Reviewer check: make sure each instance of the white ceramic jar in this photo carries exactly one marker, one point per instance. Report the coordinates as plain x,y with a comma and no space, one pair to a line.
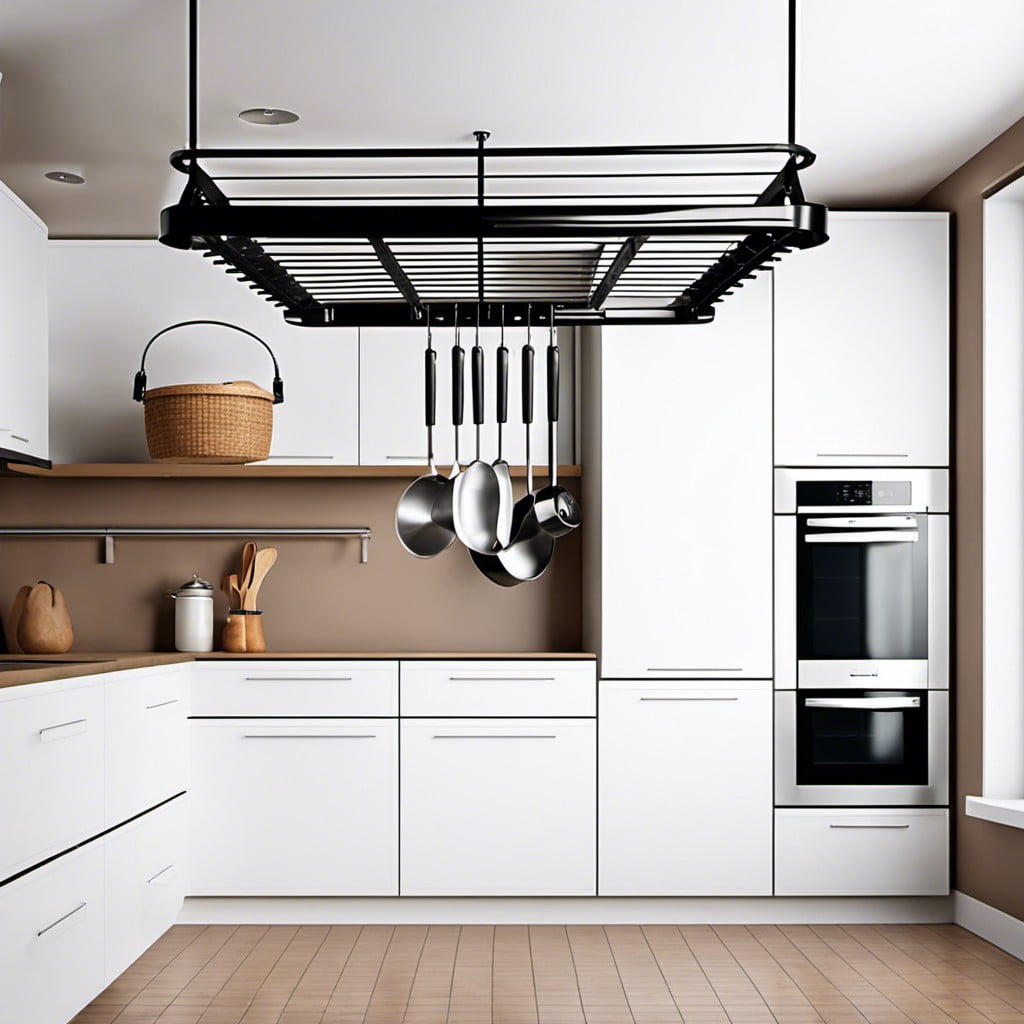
193,616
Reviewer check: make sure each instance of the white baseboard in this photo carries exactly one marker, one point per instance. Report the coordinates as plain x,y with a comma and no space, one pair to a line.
552,910
1000,929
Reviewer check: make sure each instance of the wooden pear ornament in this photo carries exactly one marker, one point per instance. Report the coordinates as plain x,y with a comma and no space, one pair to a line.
45,627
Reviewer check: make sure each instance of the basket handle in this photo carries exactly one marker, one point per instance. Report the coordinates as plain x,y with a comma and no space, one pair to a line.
139,391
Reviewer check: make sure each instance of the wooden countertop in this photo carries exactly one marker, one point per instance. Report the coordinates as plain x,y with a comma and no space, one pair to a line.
88,663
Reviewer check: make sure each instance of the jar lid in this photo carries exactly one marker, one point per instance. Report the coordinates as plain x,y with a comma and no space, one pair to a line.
195,584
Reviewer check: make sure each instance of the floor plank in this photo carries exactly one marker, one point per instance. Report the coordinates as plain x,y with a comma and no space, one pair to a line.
576,974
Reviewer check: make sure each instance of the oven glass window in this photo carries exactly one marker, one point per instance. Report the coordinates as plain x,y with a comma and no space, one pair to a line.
861,599
862,738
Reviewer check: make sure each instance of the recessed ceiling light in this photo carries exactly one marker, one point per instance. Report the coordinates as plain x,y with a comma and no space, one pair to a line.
268,115
65,177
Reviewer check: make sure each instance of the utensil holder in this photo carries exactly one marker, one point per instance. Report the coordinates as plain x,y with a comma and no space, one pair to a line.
243,632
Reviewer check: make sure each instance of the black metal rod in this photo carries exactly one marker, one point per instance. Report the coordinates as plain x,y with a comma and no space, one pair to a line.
397,274
791,98
492,177
193,74
495,198
627,252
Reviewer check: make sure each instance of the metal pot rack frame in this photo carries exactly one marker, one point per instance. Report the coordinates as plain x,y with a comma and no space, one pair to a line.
598,234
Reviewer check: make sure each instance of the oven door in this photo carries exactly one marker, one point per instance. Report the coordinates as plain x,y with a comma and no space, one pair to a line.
861,748
862,600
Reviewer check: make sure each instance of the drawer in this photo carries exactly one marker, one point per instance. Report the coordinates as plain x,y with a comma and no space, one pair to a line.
147,740
51,773
278,689
856,852
51,942
499,688
145,883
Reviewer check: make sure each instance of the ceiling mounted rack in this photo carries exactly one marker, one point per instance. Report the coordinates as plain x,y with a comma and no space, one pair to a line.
598,234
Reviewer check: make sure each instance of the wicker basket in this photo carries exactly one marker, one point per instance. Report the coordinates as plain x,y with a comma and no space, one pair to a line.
228,423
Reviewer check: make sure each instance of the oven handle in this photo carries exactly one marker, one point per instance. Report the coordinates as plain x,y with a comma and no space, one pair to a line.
863,703
872,537
865,522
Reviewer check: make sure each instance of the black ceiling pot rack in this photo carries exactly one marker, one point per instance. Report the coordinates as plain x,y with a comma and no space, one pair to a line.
598,234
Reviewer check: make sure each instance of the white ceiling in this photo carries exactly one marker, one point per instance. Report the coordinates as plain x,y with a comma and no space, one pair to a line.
893,94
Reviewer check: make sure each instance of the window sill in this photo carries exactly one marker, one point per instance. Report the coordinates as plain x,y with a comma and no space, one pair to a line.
1003,812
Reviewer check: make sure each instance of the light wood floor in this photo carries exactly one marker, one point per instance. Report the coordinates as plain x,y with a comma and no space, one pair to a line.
618,974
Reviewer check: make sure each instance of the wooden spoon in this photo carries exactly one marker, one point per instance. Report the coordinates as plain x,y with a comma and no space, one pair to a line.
248,560
229,586
265,560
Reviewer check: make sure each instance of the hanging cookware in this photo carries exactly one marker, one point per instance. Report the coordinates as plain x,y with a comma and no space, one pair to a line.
530,551
502,473
556,509
442,511
417,531
476,495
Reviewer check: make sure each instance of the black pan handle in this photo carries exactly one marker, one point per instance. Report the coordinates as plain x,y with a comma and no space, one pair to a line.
553,383
502,398
527,383
477,370
458,369
430,386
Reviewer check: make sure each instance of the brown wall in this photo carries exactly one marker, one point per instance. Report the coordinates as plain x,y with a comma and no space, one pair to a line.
317,598
989,858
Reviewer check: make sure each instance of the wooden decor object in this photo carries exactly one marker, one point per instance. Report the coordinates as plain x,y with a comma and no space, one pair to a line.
44,626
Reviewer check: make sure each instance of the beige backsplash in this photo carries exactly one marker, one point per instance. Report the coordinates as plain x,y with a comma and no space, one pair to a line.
317,598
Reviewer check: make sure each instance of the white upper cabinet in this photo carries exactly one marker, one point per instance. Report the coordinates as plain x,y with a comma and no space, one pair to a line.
680,496
862,344
107,299
23,348
392,428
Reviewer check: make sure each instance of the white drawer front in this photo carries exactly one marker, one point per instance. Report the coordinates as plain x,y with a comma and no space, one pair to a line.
495,808
147,740
51,774
296,689
857,852
51,940
294,807
499,688
145,883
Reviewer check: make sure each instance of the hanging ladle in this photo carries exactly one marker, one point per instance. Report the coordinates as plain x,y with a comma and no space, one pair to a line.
442,510
419,534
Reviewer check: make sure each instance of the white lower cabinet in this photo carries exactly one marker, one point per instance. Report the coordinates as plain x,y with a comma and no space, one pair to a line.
286,807
498,807
145,882
51,939
855,851
685,784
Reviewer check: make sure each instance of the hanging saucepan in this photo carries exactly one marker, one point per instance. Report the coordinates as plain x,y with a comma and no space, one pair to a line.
476,498
442,510
556,509
414,522
531,549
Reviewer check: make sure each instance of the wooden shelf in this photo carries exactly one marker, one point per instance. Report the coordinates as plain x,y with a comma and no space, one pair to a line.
171,471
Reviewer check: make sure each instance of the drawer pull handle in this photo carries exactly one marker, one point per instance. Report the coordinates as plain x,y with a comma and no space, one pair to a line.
160,873
705,699
63,725
418,458
80,906
298,679
699,668
879,825
862,455
162,704
501,679
310,736
322,458
496,736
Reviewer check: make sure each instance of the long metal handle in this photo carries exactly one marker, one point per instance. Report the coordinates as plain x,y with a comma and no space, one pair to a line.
70,913
501,679
863,703
63,725
862,455
298,679
495,736
310,736
162,704
697,668
872,537
865,522
715,699
162,871
879,825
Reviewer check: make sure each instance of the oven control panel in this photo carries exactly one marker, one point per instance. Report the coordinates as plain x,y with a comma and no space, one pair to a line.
837,493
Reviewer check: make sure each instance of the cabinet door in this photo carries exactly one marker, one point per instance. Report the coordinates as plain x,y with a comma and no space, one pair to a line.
51,939
145,883
685,784
146,740
686,496
391,427
294,807
96,353
24,413
498,808
862,344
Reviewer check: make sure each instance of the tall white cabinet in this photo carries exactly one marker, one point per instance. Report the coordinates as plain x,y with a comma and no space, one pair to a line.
679,496
24,427
862,344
